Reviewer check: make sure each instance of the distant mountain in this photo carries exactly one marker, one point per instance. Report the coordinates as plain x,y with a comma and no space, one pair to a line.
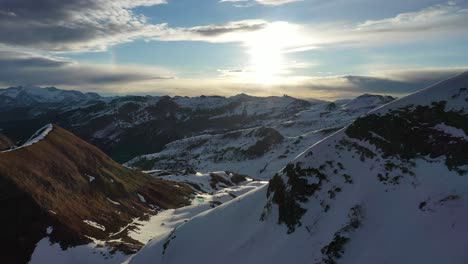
389,188
30,95
369,101
129,126
125,127
259,151
59,187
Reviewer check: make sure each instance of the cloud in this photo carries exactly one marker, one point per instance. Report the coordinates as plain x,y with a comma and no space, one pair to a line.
400,83
20,68
70,25
94,25
231,27
397,82
276,2
235,31
436,21
442,16
83,25
262,2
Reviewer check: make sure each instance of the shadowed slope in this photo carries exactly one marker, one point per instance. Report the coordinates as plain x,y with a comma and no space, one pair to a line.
64,182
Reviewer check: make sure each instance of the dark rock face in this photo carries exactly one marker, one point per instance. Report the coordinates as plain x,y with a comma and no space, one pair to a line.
411,132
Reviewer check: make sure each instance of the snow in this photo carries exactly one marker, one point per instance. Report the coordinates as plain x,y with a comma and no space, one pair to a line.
91,178
142,199
36,137
142,231
94,224
220,193
367,101
45,95
452,131
47,252
112,201
422,219
300,131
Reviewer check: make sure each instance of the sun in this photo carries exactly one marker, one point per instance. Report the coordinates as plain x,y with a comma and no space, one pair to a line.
266,50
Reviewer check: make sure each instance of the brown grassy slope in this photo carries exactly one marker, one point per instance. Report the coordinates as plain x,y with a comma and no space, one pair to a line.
5,143
51,176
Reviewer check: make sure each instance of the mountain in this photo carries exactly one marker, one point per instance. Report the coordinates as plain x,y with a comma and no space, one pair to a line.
259,151
389,188
59,188
128,126
369,101
30,95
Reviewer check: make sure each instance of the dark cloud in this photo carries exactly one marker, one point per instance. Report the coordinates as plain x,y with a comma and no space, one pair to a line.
382,85
220,29
83,25
62,25
397,82
23,68
18,60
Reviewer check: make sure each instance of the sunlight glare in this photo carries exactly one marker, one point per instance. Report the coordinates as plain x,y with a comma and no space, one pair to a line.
266,50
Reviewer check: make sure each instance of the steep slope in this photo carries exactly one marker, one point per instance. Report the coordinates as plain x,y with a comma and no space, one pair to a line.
59,186
389,188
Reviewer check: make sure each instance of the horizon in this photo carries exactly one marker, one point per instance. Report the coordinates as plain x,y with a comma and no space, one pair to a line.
303,48
109,95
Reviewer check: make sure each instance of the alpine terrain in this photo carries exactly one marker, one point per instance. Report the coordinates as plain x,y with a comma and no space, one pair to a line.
389,188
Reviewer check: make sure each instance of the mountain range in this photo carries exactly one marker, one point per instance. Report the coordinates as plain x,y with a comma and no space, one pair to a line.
238,179
388,188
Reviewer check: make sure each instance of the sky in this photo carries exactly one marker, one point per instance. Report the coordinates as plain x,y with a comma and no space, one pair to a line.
305,48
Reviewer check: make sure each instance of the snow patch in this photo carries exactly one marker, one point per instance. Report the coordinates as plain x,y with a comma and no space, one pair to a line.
36,137
142,199
114,202
91,178
94,224
453,131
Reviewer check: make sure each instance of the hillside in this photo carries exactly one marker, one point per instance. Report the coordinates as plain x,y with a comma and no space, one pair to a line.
389,188
59,187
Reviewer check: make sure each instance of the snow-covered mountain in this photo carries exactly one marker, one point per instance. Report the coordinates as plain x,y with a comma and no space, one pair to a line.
127,126
29,95
259,151
389,188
